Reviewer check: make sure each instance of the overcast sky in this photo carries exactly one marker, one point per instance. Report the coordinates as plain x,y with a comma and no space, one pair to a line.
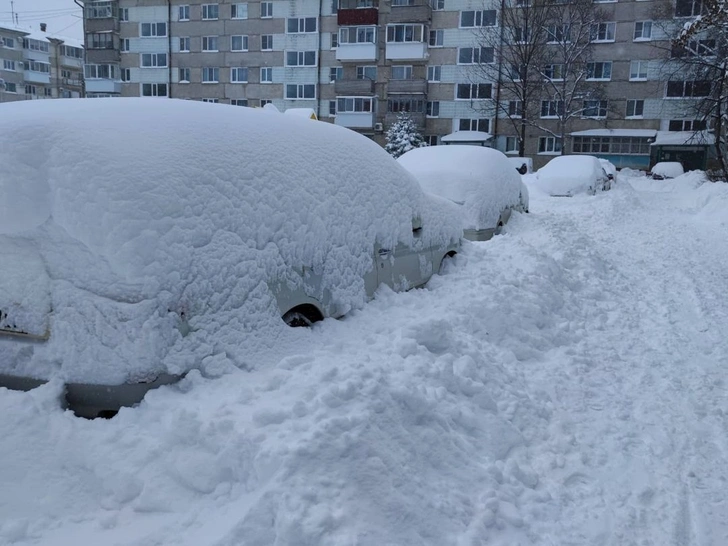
62,16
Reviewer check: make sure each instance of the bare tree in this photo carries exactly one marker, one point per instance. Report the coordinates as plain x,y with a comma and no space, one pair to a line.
542,63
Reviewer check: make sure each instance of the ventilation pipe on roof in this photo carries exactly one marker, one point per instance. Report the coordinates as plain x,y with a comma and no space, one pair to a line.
43,27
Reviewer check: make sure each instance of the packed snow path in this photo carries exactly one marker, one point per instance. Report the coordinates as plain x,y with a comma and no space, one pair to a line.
562,384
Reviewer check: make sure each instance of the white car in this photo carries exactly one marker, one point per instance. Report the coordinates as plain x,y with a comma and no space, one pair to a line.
569,175
667,169
609,168
480,180
144,238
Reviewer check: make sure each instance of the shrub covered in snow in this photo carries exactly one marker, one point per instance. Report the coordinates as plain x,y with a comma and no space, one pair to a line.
403,136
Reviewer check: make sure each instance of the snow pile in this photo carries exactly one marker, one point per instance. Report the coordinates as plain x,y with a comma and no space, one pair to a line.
480,179
668,169
569,175
161,238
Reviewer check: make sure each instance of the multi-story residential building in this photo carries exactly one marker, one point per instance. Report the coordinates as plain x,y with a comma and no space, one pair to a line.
357,63
34,65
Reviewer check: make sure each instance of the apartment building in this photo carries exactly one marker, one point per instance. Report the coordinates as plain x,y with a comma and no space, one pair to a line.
34,65
358,63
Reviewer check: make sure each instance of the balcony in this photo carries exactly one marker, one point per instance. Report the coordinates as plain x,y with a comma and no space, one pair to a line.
71,82
355,120
412,11
358,12
354,87
37,77
407,87
356,52
103,86
417,117
406,51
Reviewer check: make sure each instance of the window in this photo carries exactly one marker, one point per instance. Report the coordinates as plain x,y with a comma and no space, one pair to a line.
73,52
152,30
366,73
694,48
516,72
36,45
183,13
100,40
436,38
301,25
334,40
266,42
209,43
263,102
124,44
99,10
210,74
554,71
482,18
552,108
335,73
688,89
102,71
434,73
432,140
8,65
437,5
266,74
266,9
239,74
511,145
239,102
184,44
470,91
549,145
405,105
300,58
35,66
558,34
594,109
599,71
239,11
238,43
475,55
687,125
154,60
154,90
184,75
611,145
332,107
642,31
402,72
123,14
211,101
433,109
301,91
689,8
403,3
348,105
210,11
602,32
10,87
515,108
358,35
9,43
638,70
404,33
482,125
635,108
126,74
31,89
521,35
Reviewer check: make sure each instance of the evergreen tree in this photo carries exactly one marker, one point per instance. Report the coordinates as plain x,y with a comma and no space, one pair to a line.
403,136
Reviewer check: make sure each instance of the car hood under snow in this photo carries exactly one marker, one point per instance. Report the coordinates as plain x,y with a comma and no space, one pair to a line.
151,227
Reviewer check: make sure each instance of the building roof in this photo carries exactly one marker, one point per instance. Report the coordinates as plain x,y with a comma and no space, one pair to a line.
683,138
644,133
302,112
467,136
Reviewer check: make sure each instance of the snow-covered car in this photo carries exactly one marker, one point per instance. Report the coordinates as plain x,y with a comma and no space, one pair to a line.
609,168
667,169
481,180
569,175
141,239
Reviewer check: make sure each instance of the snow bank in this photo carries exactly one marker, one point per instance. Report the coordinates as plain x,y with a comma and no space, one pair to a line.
160,234
569,175
482,180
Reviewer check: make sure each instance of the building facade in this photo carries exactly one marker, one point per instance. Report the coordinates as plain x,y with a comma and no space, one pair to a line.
358,63
34,65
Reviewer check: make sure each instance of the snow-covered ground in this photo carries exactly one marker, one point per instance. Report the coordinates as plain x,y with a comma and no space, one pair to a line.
561,384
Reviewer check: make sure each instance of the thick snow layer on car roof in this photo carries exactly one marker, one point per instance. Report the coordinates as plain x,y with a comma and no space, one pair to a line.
482,180
668,169
153,214
569,174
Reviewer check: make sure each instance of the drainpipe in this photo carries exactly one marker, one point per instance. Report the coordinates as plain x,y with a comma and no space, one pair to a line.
83,70
169,49
318,79
500,71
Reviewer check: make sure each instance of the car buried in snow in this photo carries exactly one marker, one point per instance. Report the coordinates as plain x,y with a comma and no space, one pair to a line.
180,238
570,175
481,181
